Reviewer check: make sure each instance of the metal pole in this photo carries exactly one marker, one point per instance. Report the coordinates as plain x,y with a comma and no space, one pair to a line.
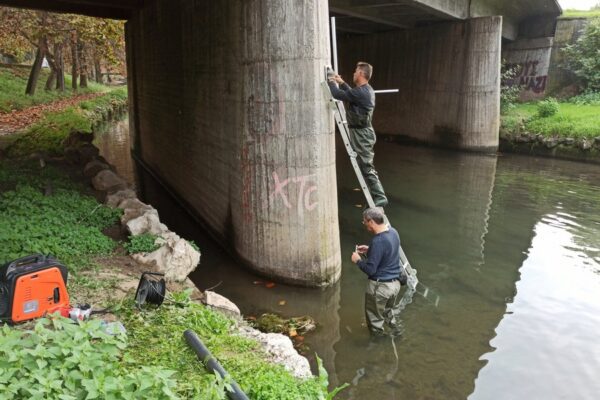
386,91
334,45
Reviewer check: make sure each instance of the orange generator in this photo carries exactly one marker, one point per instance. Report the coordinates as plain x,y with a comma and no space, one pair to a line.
31,287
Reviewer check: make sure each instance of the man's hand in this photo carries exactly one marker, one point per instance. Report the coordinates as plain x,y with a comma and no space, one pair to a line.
355,257
338,79
362,249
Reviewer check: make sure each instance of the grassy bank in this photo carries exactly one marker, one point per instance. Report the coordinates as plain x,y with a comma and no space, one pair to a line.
13,81
571,121
581,13
45,210
49,133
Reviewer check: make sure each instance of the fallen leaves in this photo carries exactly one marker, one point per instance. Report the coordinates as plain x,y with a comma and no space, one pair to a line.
16,120
268,285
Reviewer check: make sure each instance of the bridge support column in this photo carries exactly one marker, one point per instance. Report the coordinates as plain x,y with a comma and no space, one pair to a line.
286,209
229,112
449,80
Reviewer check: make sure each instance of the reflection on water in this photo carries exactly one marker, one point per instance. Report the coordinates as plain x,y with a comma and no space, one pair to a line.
113,141
510,248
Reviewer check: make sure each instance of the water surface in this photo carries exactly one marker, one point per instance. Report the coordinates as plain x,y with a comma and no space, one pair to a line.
509,250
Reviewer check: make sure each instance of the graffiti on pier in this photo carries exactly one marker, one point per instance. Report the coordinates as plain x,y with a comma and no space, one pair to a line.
527,76
299,190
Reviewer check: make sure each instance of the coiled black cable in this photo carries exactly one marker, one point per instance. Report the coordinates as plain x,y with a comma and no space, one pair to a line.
151,289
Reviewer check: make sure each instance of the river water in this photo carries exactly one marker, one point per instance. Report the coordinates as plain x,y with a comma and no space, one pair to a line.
508,250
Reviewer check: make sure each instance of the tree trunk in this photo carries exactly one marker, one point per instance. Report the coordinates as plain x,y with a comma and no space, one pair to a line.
83,68
50,81
74,60
60,67
35,72
98,71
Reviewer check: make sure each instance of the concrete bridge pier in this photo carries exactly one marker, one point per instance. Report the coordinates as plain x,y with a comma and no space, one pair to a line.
228,109
449,80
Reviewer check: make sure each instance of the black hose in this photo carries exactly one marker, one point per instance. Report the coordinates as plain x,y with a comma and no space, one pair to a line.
211,363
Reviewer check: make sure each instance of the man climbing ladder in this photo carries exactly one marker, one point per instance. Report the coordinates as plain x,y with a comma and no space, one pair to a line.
361,101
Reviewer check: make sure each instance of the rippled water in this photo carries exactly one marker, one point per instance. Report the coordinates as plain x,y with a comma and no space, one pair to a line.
509,250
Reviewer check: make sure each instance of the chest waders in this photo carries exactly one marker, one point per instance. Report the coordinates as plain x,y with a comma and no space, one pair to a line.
362,138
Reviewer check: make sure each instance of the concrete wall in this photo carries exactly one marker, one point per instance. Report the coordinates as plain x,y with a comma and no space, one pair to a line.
531,60
448,76
561,81
228,110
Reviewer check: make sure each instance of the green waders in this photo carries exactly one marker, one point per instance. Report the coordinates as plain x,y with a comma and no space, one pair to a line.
381,306
362,139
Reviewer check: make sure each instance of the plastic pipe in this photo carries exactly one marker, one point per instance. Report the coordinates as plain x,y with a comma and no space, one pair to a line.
211,363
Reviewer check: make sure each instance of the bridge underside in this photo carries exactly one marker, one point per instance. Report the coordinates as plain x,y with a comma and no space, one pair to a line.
227,108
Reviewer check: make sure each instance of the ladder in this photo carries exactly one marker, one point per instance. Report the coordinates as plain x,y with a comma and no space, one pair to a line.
339,113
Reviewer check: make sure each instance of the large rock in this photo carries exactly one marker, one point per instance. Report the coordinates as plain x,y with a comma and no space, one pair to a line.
585,144
93,167
221,303
114,199
147,222
108,181
551,142
280,350
87,152
176,258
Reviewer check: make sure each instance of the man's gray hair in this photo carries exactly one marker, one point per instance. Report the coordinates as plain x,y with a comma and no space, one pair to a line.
375,214
366,69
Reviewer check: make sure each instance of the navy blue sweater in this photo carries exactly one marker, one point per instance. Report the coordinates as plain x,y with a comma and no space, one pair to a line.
383,256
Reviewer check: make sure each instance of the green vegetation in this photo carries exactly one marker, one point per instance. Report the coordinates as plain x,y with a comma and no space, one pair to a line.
593,13
13,81
573,120
42,210
59,359
144,243
158,341
63,223
547,108
509,93
592,98
49,133
583,57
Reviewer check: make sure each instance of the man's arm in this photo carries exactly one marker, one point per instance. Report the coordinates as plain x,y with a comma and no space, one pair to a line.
370,265
347,94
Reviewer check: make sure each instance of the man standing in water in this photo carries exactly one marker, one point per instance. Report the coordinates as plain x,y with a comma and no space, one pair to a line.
361,101
382,266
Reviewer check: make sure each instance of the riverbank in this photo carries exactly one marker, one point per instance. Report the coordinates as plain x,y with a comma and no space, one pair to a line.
572,132
51,202
53,209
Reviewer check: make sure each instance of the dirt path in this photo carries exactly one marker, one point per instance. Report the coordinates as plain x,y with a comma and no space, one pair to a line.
14,121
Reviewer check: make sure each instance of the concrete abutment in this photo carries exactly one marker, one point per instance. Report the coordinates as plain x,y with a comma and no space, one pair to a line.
448,75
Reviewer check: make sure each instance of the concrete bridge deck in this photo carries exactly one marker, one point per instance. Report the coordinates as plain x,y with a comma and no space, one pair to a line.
226,104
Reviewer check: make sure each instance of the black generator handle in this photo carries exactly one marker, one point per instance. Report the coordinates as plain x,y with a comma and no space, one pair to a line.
27,260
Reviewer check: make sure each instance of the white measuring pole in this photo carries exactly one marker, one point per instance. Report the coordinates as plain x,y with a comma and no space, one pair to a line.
334,45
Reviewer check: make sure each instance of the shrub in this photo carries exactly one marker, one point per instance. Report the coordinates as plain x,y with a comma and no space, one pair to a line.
588,97
547,108
509,91
583,57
